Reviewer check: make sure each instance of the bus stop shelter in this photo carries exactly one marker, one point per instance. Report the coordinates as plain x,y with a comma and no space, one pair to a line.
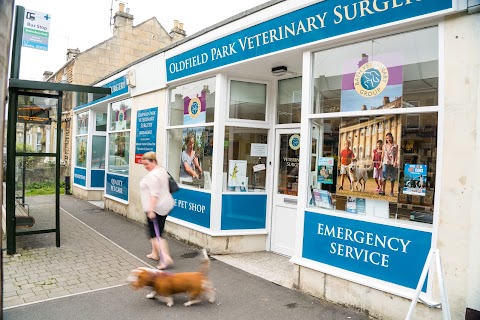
33,151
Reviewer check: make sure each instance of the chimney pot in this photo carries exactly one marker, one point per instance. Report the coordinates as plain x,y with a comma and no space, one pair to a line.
180,25
121,6
175,23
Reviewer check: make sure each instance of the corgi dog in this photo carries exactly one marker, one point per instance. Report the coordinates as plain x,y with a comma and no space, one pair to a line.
165,284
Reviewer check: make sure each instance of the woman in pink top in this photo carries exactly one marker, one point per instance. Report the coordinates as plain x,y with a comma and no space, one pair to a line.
157,202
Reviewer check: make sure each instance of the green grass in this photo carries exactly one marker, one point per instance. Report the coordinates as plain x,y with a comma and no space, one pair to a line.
42,189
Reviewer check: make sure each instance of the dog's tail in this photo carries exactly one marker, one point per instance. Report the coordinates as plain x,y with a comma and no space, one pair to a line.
205,264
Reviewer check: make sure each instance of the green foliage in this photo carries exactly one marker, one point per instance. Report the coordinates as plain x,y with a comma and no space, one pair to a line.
43,188
30,160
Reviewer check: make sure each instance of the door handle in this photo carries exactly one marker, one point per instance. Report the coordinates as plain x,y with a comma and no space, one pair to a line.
290,201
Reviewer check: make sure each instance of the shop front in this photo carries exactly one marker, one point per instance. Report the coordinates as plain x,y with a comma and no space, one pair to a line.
319,134
102,144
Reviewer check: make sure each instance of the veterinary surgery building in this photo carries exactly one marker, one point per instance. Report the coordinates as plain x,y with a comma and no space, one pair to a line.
273,98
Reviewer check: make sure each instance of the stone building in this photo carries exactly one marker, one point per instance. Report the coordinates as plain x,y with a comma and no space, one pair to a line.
128,43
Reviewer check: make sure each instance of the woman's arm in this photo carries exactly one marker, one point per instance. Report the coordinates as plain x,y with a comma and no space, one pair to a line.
197,165
190,170
152,204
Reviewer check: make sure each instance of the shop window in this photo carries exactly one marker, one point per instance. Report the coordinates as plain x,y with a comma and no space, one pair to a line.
350,183
81,157
245,159
120,115
119,152
193,103
289,101
100,121
399,71
190,156
82,123
98,152
248,100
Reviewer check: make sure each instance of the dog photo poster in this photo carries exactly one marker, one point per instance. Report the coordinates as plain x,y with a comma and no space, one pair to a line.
415,179
325,170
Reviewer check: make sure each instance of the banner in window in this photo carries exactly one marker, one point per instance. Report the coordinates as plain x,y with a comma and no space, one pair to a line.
375,84
194,108
146,137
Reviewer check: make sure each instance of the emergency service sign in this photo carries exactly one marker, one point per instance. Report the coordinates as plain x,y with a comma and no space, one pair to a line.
36,28
392,254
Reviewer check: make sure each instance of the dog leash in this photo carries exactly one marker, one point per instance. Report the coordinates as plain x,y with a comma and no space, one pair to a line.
157,234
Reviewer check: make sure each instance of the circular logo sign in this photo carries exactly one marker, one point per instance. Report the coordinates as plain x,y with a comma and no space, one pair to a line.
194,107
294,142
371,78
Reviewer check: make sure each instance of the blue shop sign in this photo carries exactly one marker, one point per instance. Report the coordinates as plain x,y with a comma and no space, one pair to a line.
192,206
80,176
117,186
117,86
146,132
319,21
97,178
392,254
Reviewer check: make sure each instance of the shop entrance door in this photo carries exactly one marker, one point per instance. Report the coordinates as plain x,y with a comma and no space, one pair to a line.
284,214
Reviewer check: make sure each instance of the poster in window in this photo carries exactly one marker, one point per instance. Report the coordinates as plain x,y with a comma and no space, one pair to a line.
193,147
415,182
325,170
194,108
237,173
373,84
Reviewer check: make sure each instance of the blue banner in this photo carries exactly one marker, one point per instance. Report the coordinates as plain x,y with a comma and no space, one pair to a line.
192,206
117,86
80,176
146,137
392,254
97,178
236,215
117,186
320,21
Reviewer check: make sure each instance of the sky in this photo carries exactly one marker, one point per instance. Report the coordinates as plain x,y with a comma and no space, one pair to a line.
84,23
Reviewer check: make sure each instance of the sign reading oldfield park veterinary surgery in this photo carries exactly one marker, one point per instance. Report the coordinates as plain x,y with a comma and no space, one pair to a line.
388,253
146,138
323,20
36,26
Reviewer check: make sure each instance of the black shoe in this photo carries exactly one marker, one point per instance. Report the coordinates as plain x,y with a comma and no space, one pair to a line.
381,193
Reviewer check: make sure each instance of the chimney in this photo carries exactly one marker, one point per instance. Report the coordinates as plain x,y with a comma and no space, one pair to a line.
46,75
177,32
386,100
121,18
72,53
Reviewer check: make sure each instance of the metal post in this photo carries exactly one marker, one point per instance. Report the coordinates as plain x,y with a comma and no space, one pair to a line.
57,167
11,129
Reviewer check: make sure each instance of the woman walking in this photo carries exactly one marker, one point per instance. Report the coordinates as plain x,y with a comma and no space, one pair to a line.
157,202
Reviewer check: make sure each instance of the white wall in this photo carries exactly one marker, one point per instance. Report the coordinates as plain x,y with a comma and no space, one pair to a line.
459,225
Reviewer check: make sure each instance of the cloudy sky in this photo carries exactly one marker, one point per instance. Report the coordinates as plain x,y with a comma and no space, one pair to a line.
84,23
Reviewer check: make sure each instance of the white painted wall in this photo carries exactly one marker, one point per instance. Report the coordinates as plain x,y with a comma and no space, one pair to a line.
459,225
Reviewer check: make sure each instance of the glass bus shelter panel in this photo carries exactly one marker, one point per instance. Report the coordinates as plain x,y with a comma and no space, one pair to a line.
35,193
36,124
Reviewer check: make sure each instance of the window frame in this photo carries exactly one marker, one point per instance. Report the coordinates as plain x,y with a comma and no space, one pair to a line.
309,116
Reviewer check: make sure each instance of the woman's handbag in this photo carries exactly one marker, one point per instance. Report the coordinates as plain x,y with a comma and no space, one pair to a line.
172,184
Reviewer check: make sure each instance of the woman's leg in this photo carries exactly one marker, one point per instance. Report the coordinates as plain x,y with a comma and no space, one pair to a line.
164,252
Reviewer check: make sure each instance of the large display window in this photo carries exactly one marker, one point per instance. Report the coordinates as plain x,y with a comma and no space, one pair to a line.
193,103
245,159
379,161
399,71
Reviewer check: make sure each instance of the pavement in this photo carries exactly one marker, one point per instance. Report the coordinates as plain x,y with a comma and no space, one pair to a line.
85,277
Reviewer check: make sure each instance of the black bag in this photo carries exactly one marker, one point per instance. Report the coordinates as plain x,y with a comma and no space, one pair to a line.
172,184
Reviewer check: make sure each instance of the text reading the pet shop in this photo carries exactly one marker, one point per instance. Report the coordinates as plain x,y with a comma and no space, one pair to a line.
190,206
363,238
